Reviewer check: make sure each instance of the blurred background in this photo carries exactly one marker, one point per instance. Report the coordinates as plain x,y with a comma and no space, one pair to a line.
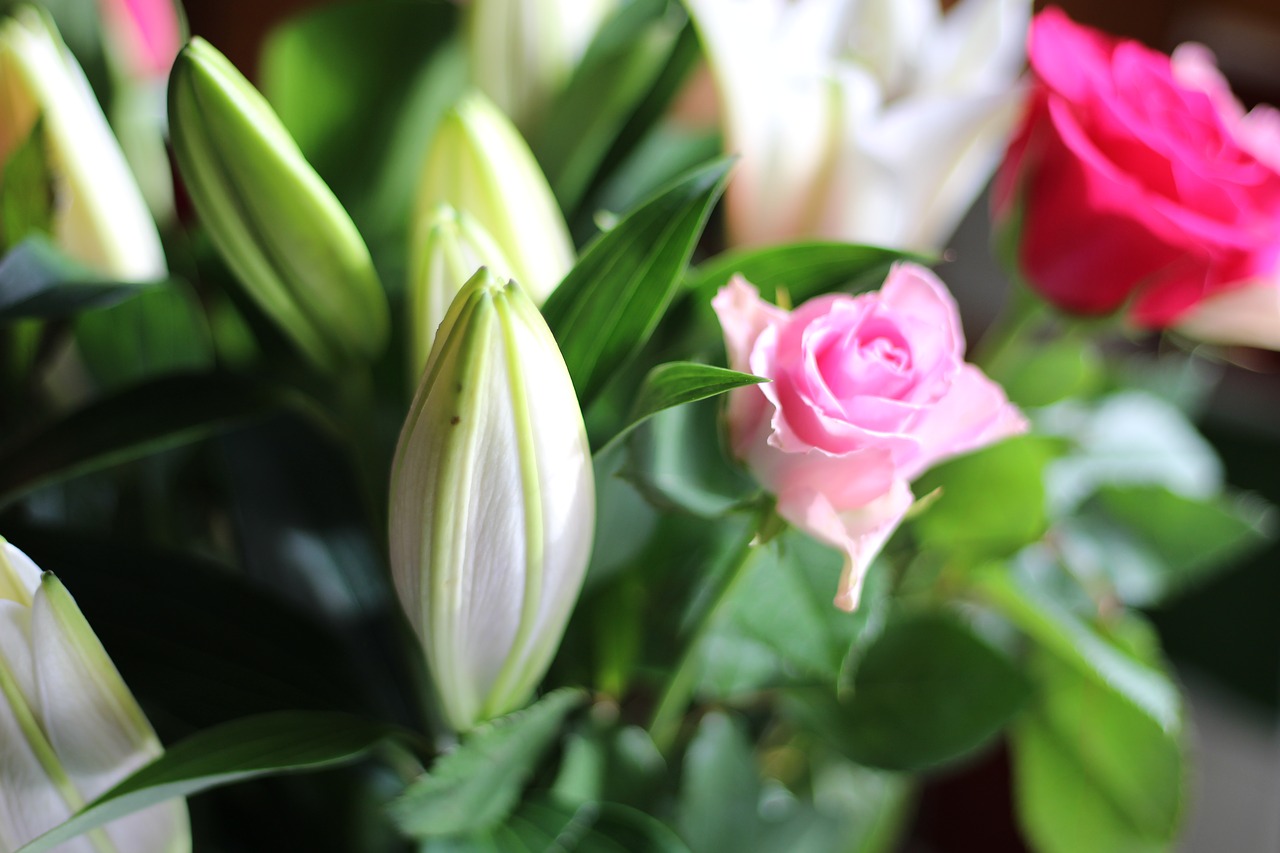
1224,638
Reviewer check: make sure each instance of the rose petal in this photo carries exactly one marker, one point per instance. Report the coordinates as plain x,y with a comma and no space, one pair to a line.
861,533
974,413
911,290
744,317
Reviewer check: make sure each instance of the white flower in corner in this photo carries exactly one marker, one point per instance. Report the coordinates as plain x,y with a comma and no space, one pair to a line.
99,218
69,728
870,121
492,503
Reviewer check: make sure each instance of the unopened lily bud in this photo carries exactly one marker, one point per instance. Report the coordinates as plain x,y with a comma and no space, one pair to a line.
523,52
450,248
98,215
275,222
479,164
492,503
69,728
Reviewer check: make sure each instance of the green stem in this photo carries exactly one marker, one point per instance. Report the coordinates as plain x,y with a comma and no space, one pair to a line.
667,716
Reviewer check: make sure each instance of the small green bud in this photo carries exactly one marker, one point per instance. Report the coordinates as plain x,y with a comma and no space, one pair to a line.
275,222
479,164
450,249
492,503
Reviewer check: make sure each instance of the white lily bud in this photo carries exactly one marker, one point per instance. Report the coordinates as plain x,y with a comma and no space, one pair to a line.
450,248
492,503
99,216
478,163
69,728
524,51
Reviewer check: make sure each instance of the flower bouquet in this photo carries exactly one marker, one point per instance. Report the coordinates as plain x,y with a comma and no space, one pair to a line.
547,425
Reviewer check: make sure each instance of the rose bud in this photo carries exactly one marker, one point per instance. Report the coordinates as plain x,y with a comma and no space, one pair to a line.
867,392
479,164
523,51
492,503
275,222
1138,183
98,215
451,247
69,726
865,121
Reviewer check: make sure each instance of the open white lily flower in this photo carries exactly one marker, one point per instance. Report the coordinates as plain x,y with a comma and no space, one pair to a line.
869,121
99,215
492,503
69,728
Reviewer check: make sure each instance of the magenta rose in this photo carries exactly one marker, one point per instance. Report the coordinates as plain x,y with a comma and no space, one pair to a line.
1133,184
867,392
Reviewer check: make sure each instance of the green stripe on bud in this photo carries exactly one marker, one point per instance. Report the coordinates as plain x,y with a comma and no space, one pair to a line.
275,222
492,503
479,164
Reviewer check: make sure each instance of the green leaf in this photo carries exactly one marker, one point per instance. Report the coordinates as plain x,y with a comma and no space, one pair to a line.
476,786
678,382
611,763
134,423
546,825
802,270
779,624
610,303
26,190
991,502
1127,439
621,66
729,802
37,280
1091,771
1191,537
718,810
1149,543
1057,630
1053,371
675,460
161,330
927,691
665,153
288,742
340,77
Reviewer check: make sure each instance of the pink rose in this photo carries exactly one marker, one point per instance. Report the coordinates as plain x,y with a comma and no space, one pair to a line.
1136,183
866,393
147,31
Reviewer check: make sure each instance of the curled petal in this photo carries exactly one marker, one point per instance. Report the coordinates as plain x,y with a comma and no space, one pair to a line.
861,532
